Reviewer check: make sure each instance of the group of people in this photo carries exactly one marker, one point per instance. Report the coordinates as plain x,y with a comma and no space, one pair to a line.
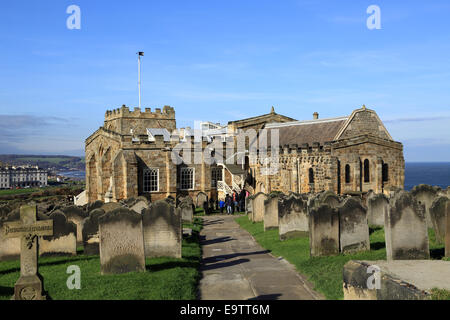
234,202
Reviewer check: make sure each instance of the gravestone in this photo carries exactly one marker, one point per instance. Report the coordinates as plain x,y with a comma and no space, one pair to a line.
121,242
28,229
76,215
139,206
271,212
90,232
187,211
201,199
406,229
110,206
249,206
293,217
377,205
162,230
330,198
64,238
426,194
353,226
258,207
324,231
94,205
438,214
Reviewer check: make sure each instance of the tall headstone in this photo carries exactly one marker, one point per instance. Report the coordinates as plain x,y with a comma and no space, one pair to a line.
28,229
406,229
187,211
76,215
121,242
293,217
353,226
426,194
377,205
324,231
163,231
271,211
91,236
438,214
64,238
258,207
249,206
201,199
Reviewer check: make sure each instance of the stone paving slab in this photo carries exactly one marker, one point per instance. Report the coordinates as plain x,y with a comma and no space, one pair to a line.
236,267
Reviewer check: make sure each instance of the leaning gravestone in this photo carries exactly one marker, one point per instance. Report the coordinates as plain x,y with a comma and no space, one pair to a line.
271,211
201,199
162,230
406,229
377,205
187,211
258,207
438,214
353,227
28,229
76,215
139,206
293,217
426,194
323,231
121,242
91,236
64,238
110,206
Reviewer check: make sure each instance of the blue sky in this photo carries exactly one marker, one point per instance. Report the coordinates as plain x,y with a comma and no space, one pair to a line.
223,60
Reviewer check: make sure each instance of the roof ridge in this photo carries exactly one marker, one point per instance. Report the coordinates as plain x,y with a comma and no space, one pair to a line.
305,122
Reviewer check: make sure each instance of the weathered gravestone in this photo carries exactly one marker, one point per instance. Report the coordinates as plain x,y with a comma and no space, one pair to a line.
406,229
139,206
258,207
426,194
201,199
91,236
438,214
323,231
121,242
353,226
271,211
94,205
110,206
64,238
28,229
249,206
293,217
187,211
162,230
76,215
330,198
377,205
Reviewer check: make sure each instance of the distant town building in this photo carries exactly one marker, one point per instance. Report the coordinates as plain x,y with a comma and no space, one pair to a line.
12,177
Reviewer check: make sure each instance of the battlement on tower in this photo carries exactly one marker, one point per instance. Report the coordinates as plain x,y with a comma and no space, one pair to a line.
124,112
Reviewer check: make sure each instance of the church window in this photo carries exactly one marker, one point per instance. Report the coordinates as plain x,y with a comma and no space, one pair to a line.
366,170
151,179
385,172
216,175
311,175
347,173
187,178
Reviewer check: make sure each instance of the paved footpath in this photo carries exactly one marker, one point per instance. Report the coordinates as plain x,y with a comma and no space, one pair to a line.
236,267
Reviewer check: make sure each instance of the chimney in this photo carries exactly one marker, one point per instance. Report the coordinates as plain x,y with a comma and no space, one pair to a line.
315,115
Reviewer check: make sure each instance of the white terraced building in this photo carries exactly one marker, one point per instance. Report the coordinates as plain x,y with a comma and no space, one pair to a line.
21,177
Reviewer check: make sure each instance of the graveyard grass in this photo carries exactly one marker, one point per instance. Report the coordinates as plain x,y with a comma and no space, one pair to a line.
326,272
165,278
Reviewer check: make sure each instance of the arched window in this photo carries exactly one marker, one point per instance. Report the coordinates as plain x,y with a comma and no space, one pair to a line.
347,173
311,175
385,172
366,170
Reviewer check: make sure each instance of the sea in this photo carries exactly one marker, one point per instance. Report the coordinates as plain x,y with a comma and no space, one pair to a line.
432,173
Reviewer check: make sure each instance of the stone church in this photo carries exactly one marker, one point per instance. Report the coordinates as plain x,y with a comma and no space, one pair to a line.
131,156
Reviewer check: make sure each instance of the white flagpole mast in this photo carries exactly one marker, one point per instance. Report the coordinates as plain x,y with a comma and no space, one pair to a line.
139,75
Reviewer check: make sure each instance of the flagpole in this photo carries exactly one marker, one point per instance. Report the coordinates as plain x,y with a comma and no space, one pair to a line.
139,78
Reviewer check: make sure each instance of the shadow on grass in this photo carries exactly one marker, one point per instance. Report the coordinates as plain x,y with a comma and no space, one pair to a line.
373,229
377,245
171,265
6,291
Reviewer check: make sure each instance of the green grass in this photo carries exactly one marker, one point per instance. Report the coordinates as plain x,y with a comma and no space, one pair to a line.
324,272
18,191
165,278
440,294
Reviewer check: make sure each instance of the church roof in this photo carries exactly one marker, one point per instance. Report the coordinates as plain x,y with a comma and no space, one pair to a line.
300,132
